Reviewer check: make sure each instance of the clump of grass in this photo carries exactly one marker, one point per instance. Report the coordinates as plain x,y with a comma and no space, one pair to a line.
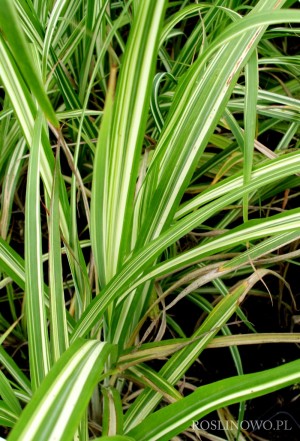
137,167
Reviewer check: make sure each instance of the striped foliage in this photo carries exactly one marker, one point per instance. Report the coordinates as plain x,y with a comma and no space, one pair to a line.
149,153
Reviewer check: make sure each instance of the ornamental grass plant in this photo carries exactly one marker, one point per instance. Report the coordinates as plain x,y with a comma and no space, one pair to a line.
149,172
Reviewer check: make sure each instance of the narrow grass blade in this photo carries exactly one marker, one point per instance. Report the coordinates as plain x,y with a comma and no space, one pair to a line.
254,339
261,175
25,112
129,120
153,351
147,377
38,342
112,418
13,33
10,183
17,90
115,438
251,75
58,321
52,22
175,367
56,409
13,265
8,396
99,189
16,373
96,28
170,421
7,417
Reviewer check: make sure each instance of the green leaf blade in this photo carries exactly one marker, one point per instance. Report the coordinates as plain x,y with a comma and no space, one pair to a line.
34,283
170,421
56,409
12,31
